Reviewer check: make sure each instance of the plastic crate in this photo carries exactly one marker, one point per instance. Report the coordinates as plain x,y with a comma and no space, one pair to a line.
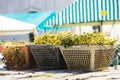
88,57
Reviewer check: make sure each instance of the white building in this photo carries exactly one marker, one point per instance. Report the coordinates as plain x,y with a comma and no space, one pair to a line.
90,16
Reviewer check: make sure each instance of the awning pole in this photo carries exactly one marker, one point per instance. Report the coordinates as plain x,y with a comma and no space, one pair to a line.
101,26
56,29
44,29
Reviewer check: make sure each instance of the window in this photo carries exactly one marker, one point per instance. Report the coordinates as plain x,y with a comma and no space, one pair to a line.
96,28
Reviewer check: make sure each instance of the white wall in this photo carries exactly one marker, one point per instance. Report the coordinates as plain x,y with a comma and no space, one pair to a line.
80,29
113,31
75,30
86,29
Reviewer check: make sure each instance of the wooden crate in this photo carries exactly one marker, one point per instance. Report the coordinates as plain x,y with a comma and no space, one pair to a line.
89,58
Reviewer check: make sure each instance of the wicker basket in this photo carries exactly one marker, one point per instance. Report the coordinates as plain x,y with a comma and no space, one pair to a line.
89,58
47,57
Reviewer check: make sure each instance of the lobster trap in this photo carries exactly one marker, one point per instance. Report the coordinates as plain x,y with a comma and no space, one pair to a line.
88,57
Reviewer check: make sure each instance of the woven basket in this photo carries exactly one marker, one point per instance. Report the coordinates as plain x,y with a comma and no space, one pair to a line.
89,58
47,57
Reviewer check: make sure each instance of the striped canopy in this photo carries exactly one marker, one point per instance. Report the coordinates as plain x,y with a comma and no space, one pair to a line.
83,11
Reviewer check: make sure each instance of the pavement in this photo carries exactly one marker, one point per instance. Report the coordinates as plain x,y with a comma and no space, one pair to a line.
36,74
113,73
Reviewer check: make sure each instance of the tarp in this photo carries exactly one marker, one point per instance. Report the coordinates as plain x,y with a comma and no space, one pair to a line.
84,11
36,18
9,24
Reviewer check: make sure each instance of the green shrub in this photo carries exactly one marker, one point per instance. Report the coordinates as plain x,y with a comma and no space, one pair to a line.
0,42
95,39
54,39
15,43
68,39
14,56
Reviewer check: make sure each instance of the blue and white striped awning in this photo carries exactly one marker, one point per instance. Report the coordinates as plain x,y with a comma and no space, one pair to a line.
83,11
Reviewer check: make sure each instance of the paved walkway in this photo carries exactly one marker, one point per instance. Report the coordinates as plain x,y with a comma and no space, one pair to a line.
35,74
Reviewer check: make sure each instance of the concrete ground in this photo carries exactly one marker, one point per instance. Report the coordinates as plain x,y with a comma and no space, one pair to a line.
36,74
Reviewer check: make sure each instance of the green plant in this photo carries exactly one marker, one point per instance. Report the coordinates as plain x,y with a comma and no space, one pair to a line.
54,39
87,39
14,56
0,42
95,39
68,39
14,43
